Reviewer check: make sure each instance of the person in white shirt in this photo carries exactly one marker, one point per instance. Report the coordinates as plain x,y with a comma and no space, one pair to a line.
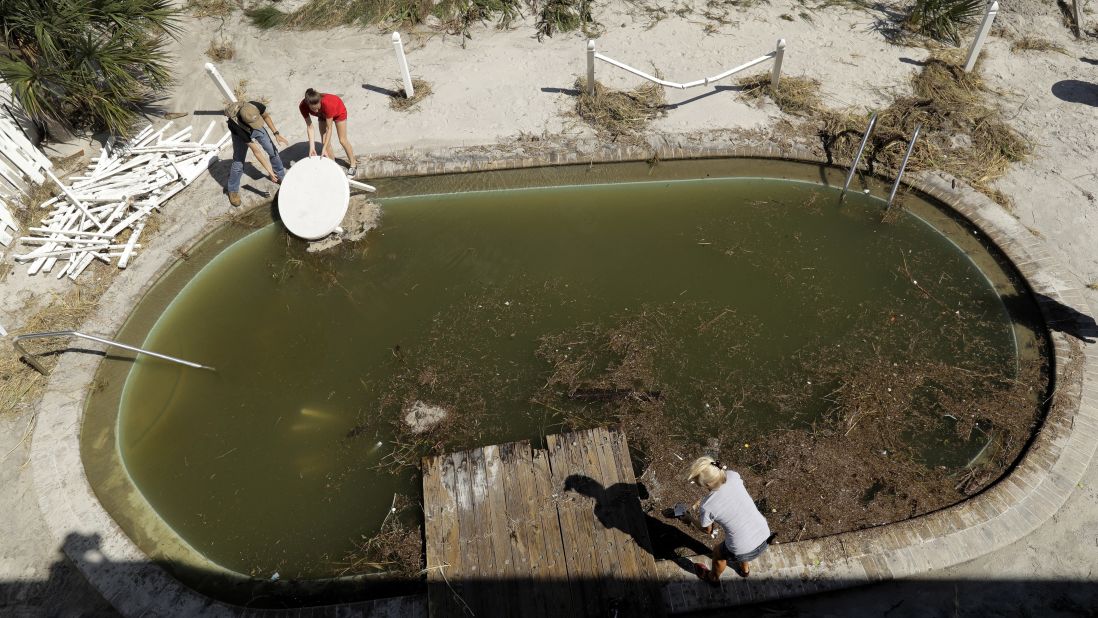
746,533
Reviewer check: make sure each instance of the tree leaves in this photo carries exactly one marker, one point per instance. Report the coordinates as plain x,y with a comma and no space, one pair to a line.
86,64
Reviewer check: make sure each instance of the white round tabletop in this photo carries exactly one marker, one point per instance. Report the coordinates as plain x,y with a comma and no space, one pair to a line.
313,198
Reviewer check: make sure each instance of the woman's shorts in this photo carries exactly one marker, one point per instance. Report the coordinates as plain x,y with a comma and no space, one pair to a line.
726,552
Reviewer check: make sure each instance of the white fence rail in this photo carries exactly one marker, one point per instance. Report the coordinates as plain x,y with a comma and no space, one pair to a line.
20,161
777,56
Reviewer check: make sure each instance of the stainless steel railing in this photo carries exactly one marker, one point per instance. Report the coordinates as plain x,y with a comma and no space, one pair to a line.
903,165
72,333
858,156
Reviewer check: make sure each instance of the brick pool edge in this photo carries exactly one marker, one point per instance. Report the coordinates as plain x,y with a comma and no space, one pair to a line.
1014,506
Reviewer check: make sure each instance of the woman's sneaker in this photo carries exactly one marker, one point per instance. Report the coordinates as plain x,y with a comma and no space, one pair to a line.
351,171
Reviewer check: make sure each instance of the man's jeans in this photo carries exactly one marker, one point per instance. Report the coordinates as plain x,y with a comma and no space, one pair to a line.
240,150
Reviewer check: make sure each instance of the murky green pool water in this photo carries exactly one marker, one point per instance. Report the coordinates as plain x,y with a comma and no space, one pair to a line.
272,463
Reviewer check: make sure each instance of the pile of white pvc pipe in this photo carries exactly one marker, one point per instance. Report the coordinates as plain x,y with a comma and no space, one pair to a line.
116,195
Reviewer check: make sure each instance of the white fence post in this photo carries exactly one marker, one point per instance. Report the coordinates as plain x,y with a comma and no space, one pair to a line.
779,55
220,83
591,66
409,92
1077,6
978,42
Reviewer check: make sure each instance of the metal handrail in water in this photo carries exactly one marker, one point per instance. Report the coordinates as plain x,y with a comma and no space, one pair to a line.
72,333
903,164
858,156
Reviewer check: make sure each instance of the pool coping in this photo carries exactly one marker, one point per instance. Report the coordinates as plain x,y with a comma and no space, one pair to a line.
1010,509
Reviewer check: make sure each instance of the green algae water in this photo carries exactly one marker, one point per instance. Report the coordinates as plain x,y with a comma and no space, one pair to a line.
293,449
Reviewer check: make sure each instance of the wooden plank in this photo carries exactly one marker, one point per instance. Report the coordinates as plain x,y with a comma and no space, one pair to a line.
620,448
463,577
452,542
639,565
576,532
479,548
497,534
566,598
522,532
618,496
486,559
440,530
598,516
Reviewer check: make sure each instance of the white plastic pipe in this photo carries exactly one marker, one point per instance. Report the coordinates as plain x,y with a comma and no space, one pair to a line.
362,186
402,61
220,83
705,81
978,42
638,72
730,72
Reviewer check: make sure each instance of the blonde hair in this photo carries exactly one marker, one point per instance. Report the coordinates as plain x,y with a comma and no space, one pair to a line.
707,472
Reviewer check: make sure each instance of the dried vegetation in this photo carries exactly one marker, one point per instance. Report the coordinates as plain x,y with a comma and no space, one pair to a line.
457,17
797,96
398,101
868,448
962,134
211,8
220,51
20,384
1033,43
396,548
618,115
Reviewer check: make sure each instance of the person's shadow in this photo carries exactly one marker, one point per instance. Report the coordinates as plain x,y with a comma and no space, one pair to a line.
618,507
1058,316
1076,91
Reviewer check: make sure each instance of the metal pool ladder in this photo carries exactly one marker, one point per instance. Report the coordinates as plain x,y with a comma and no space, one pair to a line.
72,333
858,156
903,164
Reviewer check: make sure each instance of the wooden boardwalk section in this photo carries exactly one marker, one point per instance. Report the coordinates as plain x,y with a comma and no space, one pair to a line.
517,531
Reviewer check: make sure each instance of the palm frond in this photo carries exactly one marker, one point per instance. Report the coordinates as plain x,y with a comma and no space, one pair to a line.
945,19
86,63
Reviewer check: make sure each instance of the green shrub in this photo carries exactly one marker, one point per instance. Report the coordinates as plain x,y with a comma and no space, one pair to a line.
86,63
944,19
564,16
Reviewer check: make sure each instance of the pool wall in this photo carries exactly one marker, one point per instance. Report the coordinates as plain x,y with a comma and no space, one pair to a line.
1017,504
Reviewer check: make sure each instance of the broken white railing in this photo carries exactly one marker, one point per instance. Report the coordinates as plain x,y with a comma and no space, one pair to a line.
18,159
20,162
100,215
777,55
22,352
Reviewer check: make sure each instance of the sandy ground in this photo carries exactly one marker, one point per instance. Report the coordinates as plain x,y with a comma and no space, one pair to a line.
505,84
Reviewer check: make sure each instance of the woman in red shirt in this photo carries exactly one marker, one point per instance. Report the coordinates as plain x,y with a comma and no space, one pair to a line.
329,109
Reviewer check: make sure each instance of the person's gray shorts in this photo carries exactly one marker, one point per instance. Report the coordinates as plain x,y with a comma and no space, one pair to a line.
749,556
